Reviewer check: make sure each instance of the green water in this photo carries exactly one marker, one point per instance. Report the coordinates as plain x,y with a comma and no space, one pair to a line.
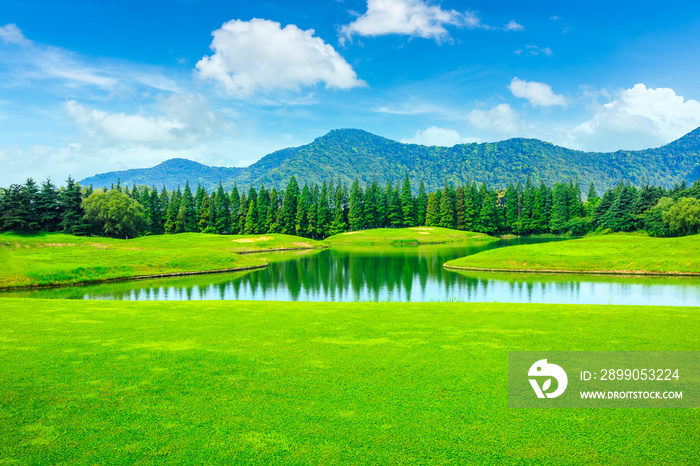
391,274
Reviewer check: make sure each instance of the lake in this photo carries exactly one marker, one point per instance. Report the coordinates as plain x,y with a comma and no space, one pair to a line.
391,274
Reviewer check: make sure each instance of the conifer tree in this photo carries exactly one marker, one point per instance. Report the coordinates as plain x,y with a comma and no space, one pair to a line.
369,205
262,205
407,204
432,215
251,220
560,211
301,222
235,208
511,207
171,225
421,204
242,215
487,214
187,216
272,212
460,209
71,199
324,213
289,207
356,218
48,207
447,218
222,207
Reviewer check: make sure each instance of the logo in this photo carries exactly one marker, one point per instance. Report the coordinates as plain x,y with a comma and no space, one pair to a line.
542,369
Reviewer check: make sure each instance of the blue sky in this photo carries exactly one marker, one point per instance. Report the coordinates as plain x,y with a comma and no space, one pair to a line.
88,87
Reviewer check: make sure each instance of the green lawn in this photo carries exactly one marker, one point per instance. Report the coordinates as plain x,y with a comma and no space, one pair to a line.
405,237
125,383
618,253
54,258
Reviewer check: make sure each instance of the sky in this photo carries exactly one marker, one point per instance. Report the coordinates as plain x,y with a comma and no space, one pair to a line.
89,87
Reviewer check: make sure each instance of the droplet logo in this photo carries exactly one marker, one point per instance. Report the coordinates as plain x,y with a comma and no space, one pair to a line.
542,370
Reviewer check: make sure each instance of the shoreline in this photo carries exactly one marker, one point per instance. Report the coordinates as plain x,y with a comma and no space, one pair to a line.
134,278
575,272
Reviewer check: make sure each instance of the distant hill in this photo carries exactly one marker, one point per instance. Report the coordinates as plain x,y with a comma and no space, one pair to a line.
350,153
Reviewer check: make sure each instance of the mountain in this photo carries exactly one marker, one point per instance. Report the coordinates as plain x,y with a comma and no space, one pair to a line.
350,153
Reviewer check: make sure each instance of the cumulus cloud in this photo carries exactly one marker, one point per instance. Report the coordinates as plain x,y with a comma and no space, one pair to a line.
11,34
513,26
539,94
501,119
260,55
638,118
435,136
415,18
179,121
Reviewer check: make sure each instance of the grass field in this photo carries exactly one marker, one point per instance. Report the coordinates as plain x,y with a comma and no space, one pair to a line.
405,237
120,383
54,258
618,253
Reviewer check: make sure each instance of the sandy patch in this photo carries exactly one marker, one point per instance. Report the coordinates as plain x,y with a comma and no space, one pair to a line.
252,240
423,233
302,245
99,246
351,232
422,228
58,245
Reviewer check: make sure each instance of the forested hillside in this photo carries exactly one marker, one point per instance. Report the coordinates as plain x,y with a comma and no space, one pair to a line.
350,154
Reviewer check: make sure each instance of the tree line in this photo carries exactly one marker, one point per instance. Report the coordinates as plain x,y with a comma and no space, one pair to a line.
317,211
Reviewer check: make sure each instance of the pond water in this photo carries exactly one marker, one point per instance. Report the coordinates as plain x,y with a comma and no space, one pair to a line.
391,274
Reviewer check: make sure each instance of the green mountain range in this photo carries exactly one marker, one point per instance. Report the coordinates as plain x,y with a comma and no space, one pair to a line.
347,154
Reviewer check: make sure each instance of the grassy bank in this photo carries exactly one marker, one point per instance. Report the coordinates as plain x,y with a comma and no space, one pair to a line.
53,258
87,382
405,237
619,253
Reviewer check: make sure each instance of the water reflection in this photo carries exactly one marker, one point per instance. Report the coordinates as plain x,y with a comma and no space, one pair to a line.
391,274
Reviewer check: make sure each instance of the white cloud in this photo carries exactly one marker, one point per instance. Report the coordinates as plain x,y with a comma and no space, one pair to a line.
513,26
179,122
539,94
435,136
535,50
259,55
639,118
501,119
52,67
416,18
11,34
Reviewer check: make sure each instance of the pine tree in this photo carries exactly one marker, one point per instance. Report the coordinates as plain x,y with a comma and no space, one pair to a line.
171,225
487,214
48,207
187,222
460,222
235,208
203,224
511,207
432,215
14,215
222,207
407,204
369,205
447,218
421,204
560,211
324,213
312,215
71,199
262,205
242,215
289,207
356,218
251,220
600,214
621,210
272,212
301,222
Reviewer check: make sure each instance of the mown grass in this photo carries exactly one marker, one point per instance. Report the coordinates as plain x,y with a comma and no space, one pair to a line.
618,253
406,237
53,258
120,383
